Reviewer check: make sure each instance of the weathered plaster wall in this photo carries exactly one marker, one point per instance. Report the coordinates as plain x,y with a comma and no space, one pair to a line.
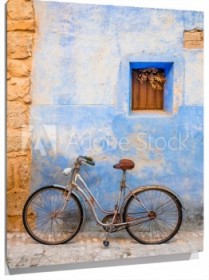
20,39
81,99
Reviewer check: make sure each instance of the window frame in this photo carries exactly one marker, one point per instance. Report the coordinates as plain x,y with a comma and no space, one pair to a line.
168,68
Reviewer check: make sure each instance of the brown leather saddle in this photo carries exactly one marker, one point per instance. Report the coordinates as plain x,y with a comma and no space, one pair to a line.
124,164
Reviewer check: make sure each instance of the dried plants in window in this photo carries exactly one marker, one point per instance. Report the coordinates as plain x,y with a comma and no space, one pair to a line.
156,77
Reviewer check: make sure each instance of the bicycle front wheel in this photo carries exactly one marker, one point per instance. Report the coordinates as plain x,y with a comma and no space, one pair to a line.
155,215
45,222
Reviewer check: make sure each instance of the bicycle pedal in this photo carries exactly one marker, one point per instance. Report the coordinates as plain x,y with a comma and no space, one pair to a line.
106,243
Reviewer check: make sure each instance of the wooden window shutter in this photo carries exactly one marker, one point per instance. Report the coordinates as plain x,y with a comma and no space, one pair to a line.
144,97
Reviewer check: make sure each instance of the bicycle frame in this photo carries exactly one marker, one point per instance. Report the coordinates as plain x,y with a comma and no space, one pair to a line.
74,187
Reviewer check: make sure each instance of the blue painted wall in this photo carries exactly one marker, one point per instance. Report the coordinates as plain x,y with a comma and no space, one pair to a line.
81,99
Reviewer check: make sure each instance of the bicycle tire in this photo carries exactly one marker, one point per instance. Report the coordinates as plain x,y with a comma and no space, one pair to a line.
161,224
42,221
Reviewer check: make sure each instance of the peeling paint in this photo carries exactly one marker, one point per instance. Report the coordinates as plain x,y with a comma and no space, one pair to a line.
83,90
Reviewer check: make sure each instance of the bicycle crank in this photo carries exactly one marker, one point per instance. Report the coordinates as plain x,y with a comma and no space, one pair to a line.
108,219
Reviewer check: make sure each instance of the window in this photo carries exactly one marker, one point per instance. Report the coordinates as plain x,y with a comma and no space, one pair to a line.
145,96
151,86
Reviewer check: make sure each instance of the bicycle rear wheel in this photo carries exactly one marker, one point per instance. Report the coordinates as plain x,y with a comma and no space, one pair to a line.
162,221
42,219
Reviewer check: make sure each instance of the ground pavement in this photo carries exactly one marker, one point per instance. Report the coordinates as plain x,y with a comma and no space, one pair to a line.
86,247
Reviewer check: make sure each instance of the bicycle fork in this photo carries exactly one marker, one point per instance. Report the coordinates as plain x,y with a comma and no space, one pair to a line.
67,194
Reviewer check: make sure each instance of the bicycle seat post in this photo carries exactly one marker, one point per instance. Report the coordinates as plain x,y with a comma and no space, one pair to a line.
123,180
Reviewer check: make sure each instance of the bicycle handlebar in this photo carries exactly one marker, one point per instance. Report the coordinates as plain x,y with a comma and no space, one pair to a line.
88,160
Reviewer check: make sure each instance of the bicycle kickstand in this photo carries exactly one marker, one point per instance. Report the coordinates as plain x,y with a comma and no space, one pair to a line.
106,243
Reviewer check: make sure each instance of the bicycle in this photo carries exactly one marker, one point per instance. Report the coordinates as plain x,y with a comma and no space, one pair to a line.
54,214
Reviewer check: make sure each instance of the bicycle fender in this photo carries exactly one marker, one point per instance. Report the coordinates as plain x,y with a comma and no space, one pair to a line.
150,186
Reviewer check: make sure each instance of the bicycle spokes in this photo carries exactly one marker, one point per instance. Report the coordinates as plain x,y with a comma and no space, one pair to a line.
51,219
160,223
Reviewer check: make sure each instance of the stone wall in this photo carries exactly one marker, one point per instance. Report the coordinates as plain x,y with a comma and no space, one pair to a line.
20,41
194,39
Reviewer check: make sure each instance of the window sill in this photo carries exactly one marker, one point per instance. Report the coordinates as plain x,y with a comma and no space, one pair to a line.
150,113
